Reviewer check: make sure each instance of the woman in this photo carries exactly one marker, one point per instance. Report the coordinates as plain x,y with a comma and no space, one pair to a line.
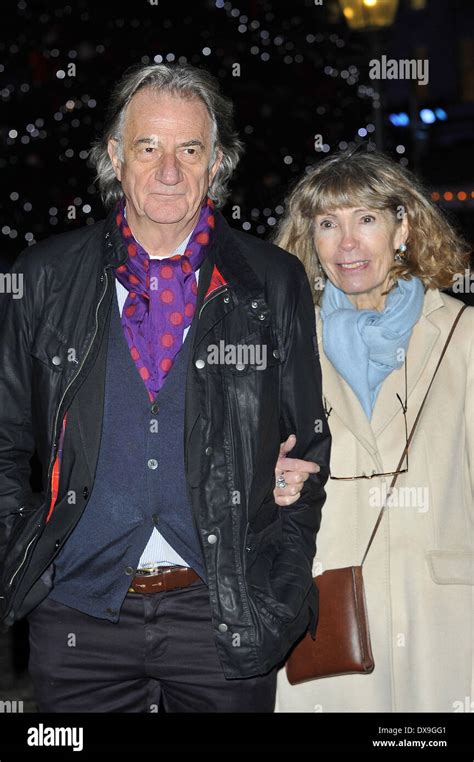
378,253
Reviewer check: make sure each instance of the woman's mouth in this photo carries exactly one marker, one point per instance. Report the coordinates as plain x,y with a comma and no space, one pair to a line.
360,265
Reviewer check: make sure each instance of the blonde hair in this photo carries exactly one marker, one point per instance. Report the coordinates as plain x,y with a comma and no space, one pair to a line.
435,252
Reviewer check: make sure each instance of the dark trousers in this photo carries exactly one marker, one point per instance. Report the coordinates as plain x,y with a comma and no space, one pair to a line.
162,648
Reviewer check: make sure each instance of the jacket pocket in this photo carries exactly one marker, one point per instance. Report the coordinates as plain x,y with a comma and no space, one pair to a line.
263,543
253,353
50,348
23,537
451,567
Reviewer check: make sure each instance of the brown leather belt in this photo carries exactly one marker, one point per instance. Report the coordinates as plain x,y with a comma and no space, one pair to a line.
163,578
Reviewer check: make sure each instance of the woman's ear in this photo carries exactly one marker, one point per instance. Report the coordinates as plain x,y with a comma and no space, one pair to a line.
403,231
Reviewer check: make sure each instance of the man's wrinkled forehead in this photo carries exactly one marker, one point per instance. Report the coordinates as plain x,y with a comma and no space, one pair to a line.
154,115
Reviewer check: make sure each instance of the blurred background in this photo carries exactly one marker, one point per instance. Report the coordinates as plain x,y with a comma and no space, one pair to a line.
299,75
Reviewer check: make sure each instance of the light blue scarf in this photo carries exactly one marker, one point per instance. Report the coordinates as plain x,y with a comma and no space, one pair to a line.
363,345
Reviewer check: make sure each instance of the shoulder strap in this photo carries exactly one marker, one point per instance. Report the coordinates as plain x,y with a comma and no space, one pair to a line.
392,484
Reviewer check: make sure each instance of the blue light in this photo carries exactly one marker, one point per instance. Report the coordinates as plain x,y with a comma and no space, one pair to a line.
441,114
427,116
400,120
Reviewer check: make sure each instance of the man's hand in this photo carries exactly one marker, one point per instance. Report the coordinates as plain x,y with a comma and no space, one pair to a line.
296,472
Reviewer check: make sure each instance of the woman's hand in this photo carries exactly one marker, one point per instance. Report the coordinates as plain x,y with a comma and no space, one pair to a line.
295,471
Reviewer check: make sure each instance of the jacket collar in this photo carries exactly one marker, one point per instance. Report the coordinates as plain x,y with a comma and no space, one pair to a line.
424,350
224,269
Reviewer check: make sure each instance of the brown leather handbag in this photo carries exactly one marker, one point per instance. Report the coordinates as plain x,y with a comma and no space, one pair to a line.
342,644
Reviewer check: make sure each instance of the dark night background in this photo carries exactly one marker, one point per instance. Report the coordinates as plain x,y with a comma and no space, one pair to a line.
303,73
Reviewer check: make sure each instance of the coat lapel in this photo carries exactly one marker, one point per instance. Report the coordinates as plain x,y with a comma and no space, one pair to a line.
225,281
424,351
343,401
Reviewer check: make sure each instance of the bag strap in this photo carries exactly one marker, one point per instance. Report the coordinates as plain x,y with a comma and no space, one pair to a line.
392,484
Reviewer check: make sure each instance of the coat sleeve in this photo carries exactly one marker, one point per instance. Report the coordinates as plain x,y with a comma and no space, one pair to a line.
302,414
17,443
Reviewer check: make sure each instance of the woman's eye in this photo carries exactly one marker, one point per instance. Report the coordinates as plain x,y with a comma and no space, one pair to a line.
368,218
326,224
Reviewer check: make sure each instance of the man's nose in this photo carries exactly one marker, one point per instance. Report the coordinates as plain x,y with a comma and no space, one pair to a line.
168,170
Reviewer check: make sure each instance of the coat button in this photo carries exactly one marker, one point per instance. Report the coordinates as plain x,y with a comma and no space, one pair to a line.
155,407
57,543
129,570
208,450
199,363
56,360
239,366
254,305
276,353
223,627
85,493
212,539
227,299
261,316
152,463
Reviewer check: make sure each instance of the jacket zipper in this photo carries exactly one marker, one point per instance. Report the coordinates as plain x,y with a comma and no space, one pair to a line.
219,290
58,409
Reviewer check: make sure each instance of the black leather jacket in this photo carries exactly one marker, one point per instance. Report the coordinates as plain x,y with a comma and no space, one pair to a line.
52,360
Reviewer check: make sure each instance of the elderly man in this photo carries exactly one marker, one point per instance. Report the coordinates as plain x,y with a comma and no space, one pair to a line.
156,564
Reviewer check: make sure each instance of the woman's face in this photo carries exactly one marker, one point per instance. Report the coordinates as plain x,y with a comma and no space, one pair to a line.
356,247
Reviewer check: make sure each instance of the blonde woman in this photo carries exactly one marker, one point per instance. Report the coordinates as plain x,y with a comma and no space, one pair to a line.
378,253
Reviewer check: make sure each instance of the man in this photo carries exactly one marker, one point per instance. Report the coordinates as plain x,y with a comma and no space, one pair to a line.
155,362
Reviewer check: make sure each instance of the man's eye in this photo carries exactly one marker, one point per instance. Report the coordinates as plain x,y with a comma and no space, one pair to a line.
149,149
193,151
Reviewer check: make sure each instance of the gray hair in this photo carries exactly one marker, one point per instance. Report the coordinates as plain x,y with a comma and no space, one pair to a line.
185,81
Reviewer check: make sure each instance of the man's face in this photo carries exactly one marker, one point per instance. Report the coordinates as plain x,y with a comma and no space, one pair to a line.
166,153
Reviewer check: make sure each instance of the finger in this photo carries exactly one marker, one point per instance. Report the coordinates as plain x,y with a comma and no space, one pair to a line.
286,500
295,477
287,445
289,491
294,464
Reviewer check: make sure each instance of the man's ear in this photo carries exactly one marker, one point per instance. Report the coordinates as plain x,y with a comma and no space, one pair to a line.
215,166
112,150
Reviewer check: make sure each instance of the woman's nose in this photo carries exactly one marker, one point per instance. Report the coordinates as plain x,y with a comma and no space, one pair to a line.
348,240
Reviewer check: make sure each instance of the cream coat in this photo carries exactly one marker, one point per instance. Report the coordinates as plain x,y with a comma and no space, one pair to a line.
419,573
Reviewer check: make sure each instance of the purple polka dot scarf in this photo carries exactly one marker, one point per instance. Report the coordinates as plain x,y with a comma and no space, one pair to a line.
161,297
